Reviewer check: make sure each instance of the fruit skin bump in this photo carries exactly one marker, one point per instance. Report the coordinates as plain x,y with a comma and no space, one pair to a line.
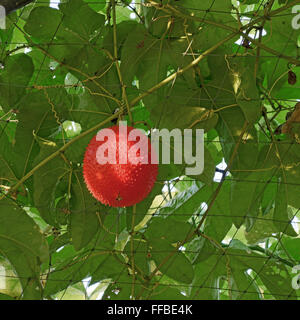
119,185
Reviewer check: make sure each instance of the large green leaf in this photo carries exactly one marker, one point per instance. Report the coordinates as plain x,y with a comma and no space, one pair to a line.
43,23
177,266
7,159
45,194
14,78
142,208
245,89
281,218
219,220
71,271
232,266
183,205
81,19
139,251
168,228
84,221
24,246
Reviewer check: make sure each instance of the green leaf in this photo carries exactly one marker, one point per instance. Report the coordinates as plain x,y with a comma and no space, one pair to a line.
168,228
292,246
96,5
183,205
43,67
124,29
139,254
160,58
244,85
250,1
230,127
177,267
71,271
263,228
172,294
14,78
43,23
45,194
219,220
242,282
290,173
123,287
231,120
157,22
5,297
189,112
35,118
284,37
142,208
24,246
205,284
58,66
281,217
274,276
61,254
216,11
84,221
60,241
245,198
109,267
111,221
7,159
80,18
232,266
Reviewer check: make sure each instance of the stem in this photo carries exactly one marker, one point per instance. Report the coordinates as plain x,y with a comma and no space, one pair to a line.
132,252
59,151
169,191
124,94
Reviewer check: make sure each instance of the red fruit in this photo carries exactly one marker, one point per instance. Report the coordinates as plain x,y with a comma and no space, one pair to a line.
119,185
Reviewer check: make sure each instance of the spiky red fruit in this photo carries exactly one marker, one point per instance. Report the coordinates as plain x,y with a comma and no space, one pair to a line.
119,185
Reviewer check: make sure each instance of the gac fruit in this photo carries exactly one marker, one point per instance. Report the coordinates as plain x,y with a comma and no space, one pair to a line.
120,184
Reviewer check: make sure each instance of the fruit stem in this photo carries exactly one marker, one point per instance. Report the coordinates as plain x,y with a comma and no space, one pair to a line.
132,251
116,61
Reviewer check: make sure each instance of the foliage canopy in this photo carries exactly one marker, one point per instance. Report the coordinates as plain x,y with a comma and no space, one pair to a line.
227,67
